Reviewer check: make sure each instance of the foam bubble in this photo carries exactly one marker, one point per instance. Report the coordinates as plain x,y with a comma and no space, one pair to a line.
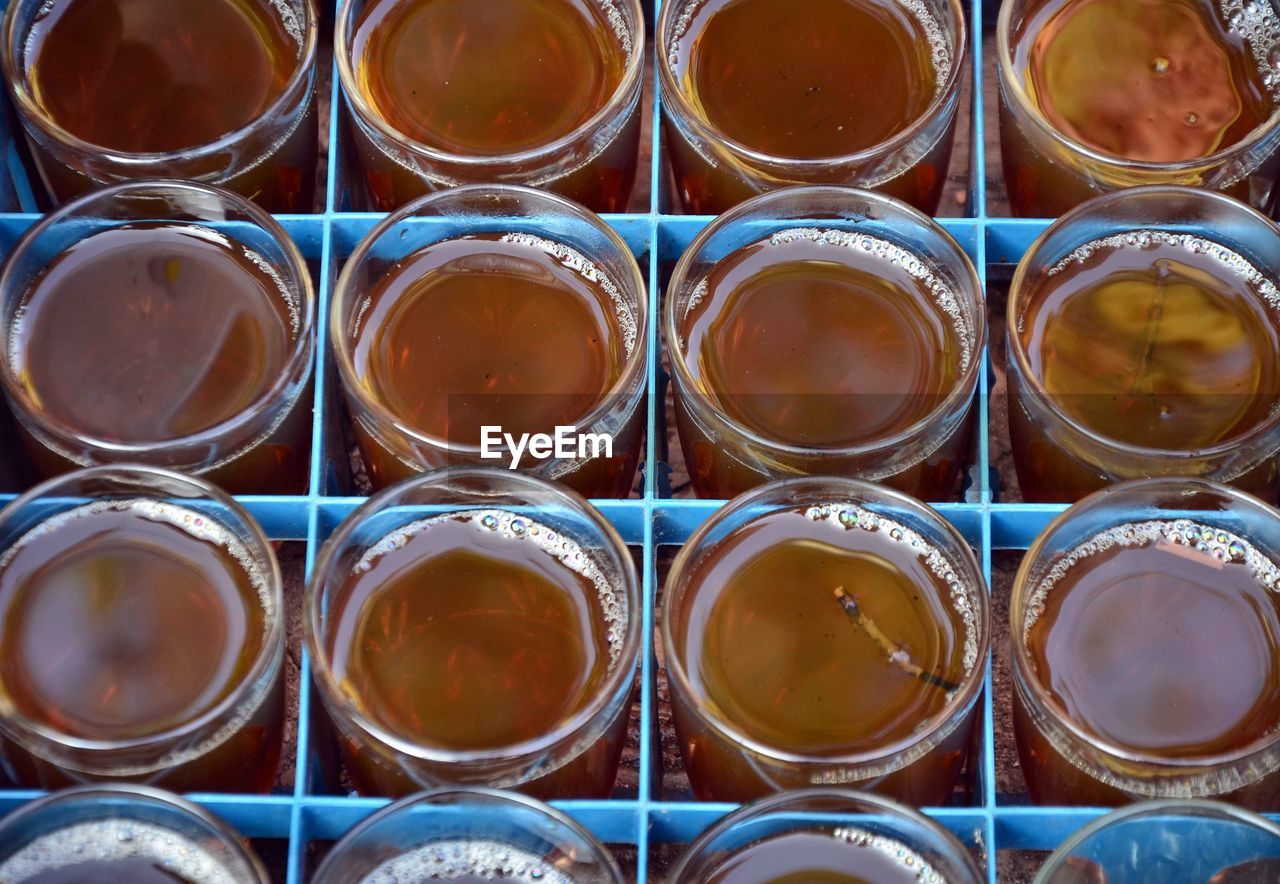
581,265
565,550
114,840
1256,22
944,297
449,860
894,849
1220,544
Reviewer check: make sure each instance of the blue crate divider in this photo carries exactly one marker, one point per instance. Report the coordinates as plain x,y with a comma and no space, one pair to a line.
647,821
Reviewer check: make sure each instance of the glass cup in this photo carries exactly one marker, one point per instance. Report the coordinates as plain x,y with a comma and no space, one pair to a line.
723,761
1049,173
713,173
119,830
1059,459
471,833
271,160
392,448
578,758
262,449
595,164
231,744
876,824
725,457
1169,842
1067,763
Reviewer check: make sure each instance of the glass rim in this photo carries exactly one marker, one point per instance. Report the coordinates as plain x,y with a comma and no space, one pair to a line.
964,386
366,112
1018,296
227,837
1012,84
1189,807
344,293
316,631
1027,683
673,96
781,801
30,109
832,488
251,690
487,796
301,351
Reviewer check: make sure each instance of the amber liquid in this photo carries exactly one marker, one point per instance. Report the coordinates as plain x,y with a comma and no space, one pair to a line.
152,332
473,635
1161,345
497,331
1156,646
822,346
128,620
769,646
490,79
145,77
1158,81
844,856
115,851
805,79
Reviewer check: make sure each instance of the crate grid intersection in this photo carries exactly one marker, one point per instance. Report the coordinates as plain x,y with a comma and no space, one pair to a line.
308,814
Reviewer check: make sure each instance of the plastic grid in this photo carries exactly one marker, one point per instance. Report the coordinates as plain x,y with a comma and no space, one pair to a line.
646,828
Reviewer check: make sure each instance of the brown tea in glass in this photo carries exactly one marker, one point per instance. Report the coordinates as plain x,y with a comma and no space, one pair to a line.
466,645
140,636
826,835
122,834
169,88
451,344
826,347
1146,351
1148,649
538,92
761,94
169,341
1102,94
836,641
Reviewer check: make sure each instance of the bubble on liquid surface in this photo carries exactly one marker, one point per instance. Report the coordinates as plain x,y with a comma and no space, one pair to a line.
450,860
581,265
1259,26
944,297
521,528
115,840
894,849
848,517
1192,537
1230,261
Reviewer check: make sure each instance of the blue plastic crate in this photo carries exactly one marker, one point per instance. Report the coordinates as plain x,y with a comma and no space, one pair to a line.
646,828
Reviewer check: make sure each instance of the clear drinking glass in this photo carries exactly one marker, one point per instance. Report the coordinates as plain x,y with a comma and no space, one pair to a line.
235,743
1169,842
724,456
470,833
270,160
723,762
837,813
1049,173
579,757
265,447
594,165
392,448
113,824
